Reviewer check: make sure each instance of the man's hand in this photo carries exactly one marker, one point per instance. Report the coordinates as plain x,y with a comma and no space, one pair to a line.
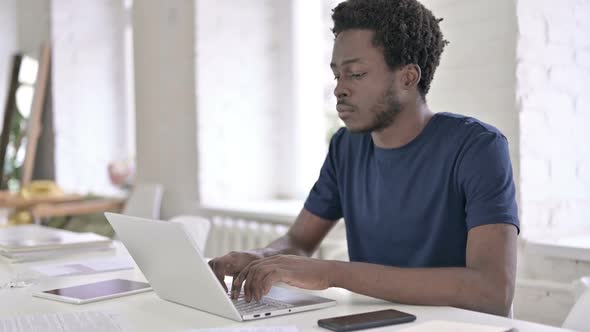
232,264
261,274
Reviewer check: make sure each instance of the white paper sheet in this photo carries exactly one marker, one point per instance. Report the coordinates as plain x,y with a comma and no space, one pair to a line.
445,326
86,321
85,267
248,329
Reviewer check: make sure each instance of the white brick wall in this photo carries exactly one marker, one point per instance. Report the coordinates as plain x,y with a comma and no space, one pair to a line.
88,92
307,117
553,80
237,101
260,116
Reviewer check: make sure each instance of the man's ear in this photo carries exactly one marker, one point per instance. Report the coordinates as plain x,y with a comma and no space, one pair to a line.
411,75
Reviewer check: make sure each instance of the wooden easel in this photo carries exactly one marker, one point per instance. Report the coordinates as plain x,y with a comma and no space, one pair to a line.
10,199
50,206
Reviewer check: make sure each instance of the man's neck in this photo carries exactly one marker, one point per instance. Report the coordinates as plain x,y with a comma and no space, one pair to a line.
407,125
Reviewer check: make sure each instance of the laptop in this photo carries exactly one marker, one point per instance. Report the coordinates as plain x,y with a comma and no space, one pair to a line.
176,270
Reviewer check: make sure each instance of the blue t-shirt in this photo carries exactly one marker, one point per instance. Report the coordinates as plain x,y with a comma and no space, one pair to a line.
413,206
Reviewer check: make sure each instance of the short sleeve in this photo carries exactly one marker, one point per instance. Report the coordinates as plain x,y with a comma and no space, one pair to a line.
324,198
486,180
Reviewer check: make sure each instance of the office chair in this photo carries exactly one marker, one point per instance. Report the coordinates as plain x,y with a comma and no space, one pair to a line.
197,227
578,319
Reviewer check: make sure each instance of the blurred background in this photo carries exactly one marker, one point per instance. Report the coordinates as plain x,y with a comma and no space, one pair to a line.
228,106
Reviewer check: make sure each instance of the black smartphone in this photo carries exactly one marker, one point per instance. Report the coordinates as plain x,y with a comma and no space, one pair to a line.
366,320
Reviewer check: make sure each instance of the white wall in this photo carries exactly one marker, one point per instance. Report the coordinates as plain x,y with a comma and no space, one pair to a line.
261,128
8,46
88,92
237,60
33,24
553,76
553,80
308,119
476,76
164,58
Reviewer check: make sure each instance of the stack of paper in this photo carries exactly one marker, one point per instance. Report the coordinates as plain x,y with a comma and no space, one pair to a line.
31,242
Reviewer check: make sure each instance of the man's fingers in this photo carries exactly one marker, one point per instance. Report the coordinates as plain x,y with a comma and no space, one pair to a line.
244,275
254,280
267,282
221,267
236,265
235,291
247,278
237,283
222,281
259,284
219,272
239,280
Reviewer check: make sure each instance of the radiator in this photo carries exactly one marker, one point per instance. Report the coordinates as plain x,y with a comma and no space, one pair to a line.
238,230
236,234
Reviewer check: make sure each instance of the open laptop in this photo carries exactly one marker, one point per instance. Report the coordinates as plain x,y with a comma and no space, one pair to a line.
176,270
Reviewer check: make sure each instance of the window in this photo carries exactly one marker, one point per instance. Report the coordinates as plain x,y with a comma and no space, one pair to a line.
264,95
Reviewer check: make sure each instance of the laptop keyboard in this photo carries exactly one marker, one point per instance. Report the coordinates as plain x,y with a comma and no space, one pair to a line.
266,304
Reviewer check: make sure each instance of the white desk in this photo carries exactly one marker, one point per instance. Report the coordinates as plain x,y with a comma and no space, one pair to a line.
146,312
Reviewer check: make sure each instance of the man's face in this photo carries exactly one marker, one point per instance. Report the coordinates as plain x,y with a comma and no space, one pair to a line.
366,88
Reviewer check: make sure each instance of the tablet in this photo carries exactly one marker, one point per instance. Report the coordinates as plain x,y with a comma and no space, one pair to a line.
97,291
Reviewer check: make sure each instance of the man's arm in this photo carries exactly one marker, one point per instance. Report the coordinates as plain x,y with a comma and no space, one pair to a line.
302,239
486,284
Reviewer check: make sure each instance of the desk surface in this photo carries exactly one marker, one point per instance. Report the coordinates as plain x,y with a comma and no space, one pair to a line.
147,312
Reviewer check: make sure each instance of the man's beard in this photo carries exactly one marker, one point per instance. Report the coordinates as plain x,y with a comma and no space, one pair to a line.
385,112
